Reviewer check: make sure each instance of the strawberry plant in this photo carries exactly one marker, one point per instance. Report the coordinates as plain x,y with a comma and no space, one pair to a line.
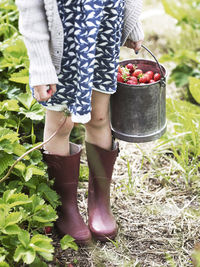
27,201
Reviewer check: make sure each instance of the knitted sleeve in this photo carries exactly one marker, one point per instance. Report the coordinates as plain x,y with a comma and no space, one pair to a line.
33,26
132,27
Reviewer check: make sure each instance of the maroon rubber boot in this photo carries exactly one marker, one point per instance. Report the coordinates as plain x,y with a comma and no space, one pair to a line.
65,171
101,162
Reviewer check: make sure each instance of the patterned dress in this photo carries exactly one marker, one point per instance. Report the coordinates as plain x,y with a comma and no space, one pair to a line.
92,35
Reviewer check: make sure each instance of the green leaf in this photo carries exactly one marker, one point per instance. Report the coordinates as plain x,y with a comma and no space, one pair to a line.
194,87
38,263
20,77
19,150
2,218
27,255
27,100
3,254
32,170
9,105
68,242
6,160
35,156
2,117
24,238
12,230
7,194
13,218
48,194
18,199
45,213
180,75
4,264
36,112
42,244
8,134
6,146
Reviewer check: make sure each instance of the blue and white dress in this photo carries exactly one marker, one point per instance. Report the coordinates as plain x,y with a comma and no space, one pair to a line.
92,37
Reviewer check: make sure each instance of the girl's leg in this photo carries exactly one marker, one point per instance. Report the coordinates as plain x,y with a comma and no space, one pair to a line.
101,157
59,145
63,161
98,129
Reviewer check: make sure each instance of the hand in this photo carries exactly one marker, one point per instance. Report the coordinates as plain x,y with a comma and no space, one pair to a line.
134,45
44,92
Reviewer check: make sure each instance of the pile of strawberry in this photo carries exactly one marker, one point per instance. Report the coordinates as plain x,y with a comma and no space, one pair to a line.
130,74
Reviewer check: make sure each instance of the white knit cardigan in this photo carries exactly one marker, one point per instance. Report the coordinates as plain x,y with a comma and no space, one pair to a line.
41,26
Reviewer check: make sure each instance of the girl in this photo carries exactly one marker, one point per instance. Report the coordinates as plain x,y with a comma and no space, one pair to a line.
73,47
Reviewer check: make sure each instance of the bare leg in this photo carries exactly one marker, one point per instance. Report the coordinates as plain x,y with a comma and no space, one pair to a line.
98,129
59,145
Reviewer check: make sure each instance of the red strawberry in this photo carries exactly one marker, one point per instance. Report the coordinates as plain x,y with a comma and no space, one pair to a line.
47,230
131,67
133,78
151,81
131,82
150,73
148,78
119,78
143,79
137,72
157,77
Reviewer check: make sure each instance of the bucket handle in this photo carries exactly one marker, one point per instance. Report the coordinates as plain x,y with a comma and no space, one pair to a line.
162,73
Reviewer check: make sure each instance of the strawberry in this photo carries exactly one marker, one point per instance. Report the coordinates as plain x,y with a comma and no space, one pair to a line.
131,67
143,79
119,78
157,77
131,82
150,73
48,230
133,78
148,78
137,72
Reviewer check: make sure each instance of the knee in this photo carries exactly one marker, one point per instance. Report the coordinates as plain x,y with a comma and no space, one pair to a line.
65,130
98,121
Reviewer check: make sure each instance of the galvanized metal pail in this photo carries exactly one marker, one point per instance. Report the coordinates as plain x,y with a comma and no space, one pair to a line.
138,112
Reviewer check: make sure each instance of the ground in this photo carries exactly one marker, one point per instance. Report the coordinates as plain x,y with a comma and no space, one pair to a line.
158,220
157,214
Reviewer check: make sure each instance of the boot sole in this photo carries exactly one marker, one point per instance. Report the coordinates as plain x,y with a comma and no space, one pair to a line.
78,242
105,238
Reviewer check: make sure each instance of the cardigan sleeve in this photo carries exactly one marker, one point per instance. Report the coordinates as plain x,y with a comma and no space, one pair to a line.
137,33
132,27
33,26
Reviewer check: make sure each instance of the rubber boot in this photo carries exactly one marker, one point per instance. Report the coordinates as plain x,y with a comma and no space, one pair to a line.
101,162
65,171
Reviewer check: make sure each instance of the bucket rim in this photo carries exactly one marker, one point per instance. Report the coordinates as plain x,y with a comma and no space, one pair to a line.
143,59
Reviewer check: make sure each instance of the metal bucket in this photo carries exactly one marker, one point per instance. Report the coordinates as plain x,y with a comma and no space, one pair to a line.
138,112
